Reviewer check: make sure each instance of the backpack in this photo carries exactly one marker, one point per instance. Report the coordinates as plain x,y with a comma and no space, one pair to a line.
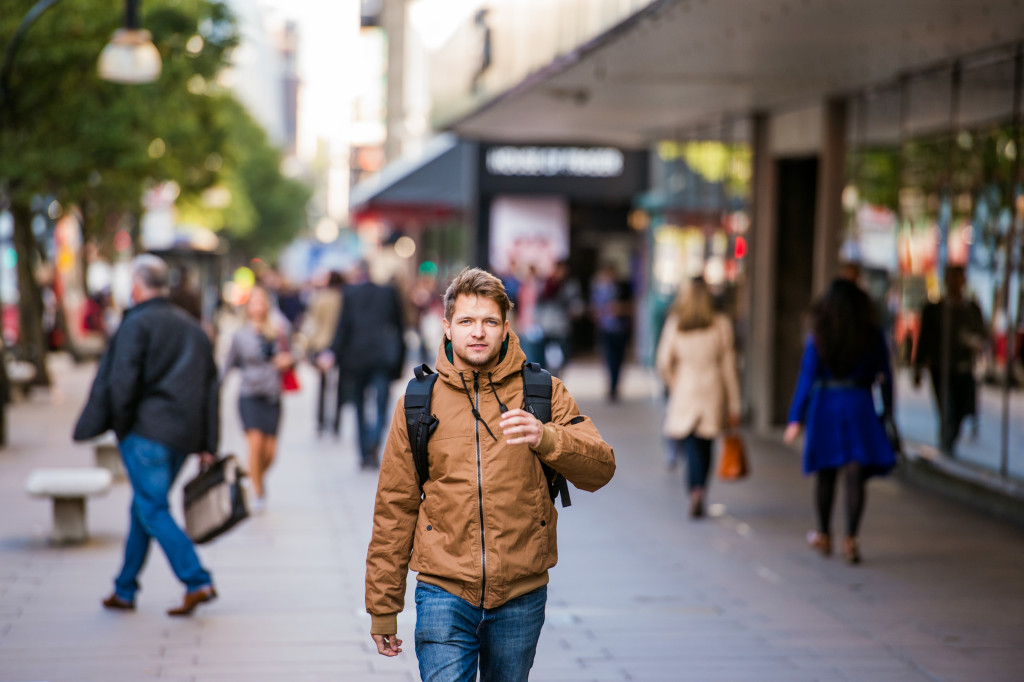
421,424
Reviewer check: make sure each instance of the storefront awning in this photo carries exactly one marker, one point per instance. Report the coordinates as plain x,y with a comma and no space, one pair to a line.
679,65
435,180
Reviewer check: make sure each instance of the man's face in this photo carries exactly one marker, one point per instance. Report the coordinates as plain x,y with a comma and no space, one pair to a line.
476,331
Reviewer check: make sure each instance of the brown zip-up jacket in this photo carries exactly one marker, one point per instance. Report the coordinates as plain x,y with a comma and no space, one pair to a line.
485,529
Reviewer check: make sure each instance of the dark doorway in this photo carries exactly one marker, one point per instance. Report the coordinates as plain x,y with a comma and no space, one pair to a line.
797,194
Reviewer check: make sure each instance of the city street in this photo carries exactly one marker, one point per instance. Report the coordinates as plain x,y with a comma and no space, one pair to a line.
640,592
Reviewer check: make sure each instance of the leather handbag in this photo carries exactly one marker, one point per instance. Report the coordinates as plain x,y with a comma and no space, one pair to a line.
215,500
289,380
732,463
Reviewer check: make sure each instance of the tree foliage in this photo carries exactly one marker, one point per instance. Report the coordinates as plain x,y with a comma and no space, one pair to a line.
68,134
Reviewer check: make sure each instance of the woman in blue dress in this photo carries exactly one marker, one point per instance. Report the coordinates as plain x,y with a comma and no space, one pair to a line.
844,357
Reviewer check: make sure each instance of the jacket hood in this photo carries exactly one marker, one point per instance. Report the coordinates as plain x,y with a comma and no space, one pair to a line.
509,362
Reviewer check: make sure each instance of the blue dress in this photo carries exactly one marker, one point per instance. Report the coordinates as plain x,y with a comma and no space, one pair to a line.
839,413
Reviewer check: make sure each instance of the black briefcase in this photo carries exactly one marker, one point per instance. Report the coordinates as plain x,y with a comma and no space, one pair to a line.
215,500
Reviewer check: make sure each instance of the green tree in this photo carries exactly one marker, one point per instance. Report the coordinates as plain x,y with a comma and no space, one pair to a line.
68,134
267,209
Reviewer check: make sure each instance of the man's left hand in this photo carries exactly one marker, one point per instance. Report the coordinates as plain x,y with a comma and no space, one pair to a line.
207,459
519,426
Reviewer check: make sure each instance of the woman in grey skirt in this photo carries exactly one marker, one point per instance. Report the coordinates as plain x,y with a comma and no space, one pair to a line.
260,350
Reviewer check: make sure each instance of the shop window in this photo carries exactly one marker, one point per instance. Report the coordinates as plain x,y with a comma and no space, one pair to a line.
955,201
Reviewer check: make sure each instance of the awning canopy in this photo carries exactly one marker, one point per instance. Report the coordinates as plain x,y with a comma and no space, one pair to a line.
436,180
682,63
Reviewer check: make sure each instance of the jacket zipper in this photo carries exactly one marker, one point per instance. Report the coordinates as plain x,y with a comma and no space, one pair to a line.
480,493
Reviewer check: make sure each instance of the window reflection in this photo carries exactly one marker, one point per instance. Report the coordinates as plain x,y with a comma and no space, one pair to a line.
931,215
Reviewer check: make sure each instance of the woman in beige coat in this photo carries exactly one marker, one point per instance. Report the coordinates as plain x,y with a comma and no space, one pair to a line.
697,362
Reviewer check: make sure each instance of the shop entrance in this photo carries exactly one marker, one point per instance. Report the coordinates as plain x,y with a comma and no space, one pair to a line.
796,200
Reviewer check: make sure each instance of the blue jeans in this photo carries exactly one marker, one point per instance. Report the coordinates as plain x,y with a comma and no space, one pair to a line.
152,468
370,432
453,636
698,459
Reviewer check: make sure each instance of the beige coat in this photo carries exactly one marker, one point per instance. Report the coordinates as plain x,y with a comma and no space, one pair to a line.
322,318
699,368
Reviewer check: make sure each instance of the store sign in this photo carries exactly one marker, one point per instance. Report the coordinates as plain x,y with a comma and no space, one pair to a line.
579,162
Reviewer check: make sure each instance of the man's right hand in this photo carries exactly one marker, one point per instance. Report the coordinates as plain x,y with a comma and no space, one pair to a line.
387,645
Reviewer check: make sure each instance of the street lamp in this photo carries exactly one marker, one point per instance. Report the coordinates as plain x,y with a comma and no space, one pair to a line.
130,56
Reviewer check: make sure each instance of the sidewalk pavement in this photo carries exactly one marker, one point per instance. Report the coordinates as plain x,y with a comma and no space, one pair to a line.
640,592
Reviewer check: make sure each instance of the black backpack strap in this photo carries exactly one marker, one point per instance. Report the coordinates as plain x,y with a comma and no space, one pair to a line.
537,395
419,423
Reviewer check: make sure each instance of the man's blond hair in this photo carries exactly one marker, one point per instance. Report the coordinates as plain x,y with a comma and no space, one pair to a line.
476,282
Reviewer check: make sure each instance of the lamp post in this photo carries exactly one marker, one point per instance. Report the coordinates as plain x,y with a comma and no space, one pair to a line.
130,57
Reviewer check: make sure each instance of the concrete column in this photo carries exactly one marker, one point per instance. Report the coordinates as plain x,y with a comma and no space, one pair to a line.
761,288
828,227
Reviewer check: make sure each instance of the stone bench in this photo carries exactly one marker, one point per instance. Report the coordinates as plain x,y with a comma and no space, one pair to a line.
20,375
68,489
108,456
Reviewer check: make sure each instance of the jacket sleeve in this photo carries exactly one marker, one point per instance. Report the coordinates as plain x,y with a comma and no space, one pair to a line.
394,527
95,418
572,445
808,373
730,377
126,375
664,358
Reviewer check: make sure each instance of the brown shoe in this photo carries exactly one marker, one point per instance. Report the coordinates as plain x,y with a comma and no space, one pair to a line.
115,603
192,600
851,552
820,542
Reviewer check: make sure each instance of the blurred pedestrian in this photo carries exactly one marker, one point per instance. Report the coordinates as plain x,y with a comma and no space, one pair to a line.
162,395
261,352
185,293
697,362
530,333
289,302
319,325
611,301
369,350
559,305
94,317
481,532
844,357
426,302
952,333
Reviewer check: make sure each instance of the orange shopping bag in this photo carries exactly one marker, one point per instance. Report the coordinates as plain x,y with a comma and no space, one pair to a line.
732,464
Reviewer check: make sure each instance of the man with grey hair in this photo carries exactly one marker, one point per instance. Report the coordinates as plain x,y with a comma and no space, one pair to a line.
162,402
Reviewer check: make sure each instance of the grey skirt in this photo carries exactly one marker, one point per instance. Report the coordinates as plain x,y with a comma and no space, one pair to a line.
261,413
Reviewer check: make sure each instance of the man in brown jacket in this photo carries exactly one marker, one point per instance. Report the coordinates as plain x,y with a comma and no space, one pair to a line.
482,538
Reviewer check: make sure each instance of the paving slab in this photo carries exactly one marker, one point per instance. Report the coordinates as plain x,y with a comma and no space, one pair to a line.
640,592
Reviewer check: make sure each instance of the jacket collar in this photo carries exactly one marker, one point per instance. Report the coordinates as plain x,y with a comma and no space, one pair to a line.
509,362
149,303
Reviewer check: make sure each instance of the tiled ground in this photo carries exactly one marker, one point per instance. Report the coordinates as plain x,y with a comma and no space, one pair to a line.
640,593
